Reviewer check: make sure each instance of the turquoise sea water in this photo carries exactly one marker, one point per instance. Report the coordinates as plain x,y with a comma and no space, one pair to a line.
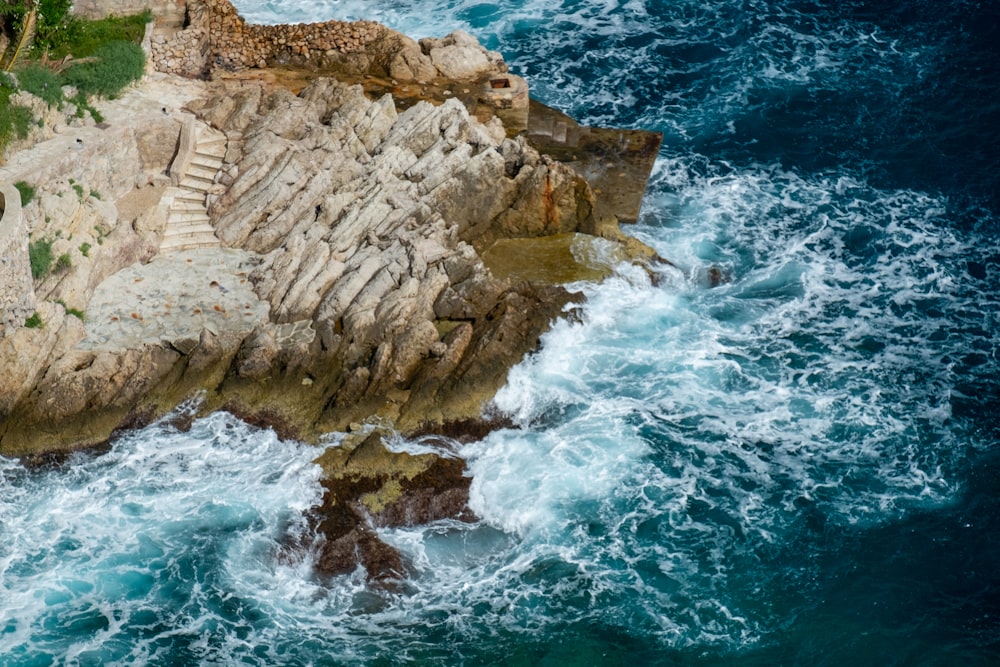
799,467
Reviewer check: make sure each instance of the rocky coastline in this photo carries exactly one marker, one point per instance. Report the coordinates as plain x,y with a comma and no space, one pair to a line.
319,229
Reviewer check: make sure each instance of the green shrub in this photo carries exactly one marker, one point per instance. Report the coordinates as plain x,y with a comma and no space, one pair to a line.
15,121
82,38
40,257
118,64
42,82
34,322
95,194
85,249
27,192
78,189
64,262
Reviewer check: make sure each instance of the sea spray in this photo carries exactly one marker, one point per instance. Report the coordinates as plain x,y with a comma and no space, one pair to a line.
796,466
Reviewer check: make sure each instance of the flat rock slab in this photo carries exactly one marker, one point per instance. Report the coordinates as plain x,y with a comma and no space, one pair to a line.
173,299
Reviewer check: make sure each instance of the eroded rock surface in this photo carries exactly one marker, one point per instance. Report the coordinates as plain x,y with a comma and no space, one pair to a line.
350,285
367,486
371,224
358,232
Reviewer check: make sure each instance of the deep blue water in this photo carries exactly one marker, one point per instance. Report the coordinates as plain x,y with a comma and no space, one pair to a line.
800,467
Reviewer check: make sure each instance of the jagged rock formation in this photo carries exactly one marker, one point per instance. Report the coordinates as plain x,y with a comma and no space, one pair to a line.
350,284
369,225
313,261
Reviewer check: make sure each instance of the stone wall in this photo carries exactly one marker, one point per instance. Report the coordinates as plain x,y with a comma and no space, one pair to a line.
216,36
17,293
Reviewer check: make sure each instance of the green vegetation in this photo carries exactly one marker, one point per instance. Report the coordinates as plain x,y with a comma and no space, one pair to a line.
117,65
42,82
64,262
14,120
40,257
27,192
99,58
95,194
78,189
75,312
34,322
85,249
82,38
53,20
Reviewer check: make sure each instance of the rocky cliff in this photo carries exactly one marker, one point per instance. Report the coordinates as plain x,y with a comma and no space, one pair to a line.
309,259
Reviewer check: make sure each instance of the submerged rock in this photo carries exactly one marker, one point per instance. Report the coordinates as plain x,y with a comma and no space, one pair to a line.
366,486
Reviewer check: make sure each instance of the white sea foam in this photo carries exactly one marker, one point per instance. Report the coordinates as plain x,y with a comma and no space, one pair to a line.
674,445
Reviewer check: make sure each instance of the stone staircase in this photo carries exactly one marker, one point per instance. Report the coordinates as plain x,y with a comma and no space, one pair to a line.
188,224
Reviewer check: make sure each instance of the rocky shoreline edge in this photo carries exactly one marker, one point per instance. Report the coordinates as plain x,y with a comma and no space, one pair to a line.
365,244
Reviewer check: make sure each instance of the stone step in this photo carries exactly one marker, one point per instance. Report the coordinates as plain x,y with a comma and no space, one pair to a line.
184,231
187,216
187,205
198,171
211,145
206,161
176,244
211,151
197,233
192,182
185,197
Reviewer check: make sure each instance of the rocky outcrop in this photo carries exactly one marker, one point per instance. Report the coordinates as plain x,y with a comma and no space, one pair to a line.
370,224
309,261
351,283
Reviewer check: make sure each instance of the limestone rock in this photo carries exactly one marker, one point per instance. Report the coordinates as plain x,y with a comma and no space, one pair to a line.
461,56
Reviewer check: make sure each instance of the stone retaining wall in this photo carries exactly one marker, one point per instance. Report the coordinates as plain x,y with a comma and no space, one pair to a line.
216,35
17,293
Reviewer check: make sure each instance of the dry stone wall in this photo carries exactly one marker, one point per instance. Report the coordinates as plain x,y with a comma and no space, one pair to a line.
215,35
218,36
17,294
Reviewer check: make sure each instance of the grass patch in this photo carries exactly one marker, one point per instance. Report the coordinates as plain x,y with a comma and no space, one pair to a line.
64,263
95,194
117,65
27,192
40,257
110,46
34,322
42,82
82,38
85,249
78,189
